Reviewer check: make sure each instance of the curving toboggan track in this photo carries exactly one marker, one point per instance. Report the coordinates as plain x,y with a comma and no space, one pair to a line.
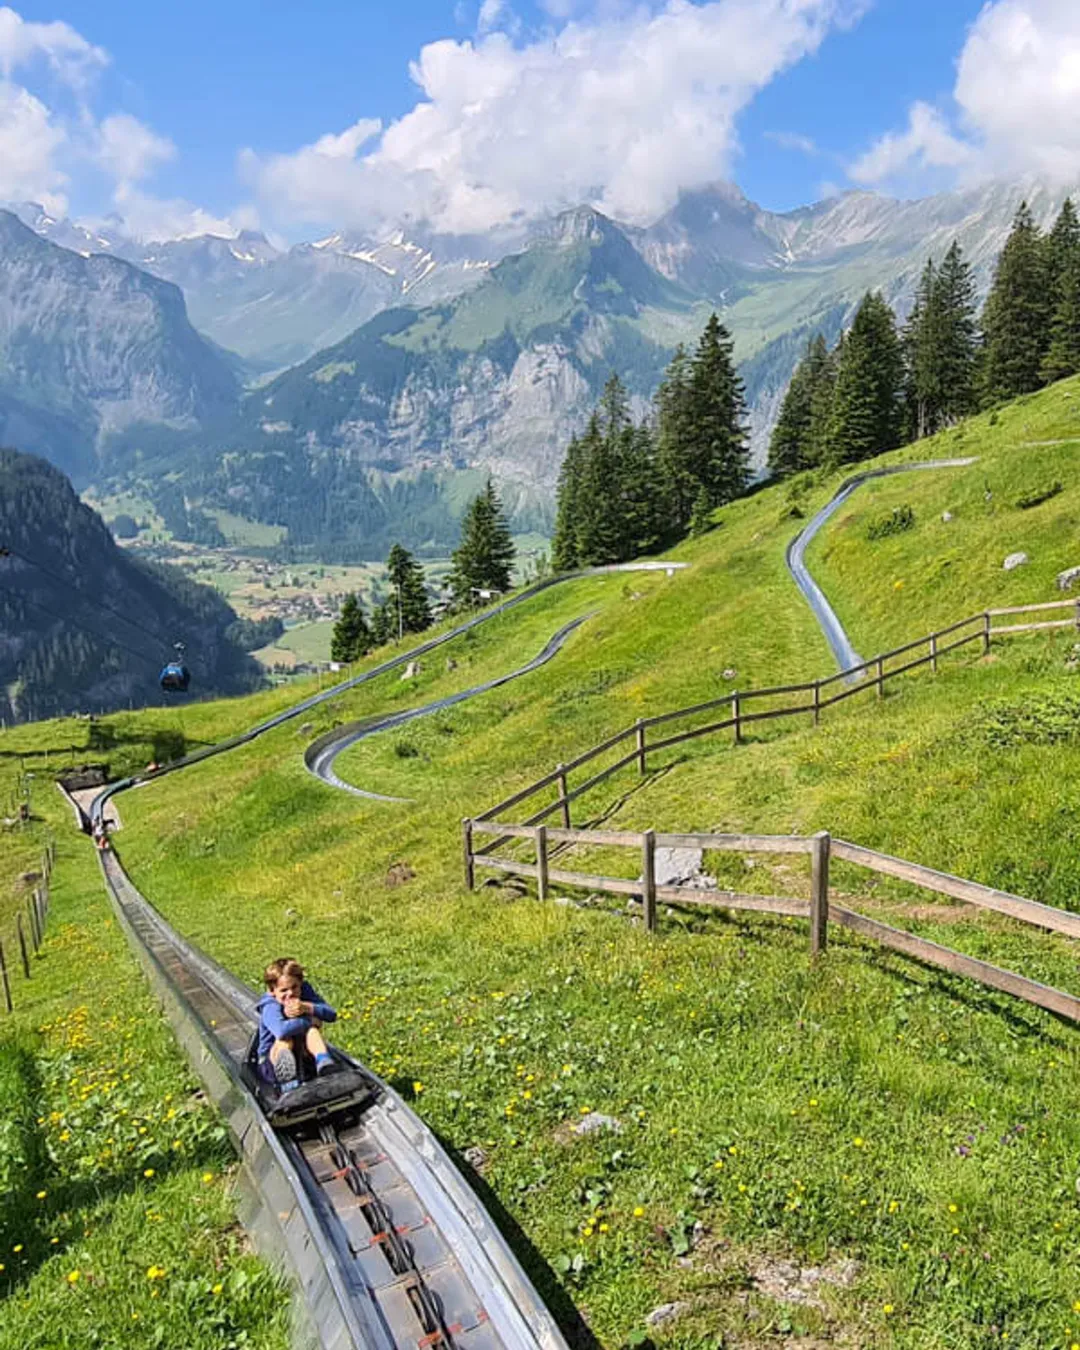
383,1240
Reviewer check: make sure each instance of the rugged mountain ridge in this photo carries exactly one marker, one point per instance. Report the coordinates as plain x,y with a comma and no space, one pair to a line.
91,346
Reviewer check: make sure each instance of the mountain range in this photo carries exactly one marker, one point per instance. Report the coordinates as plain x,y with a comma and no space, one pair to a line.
409,360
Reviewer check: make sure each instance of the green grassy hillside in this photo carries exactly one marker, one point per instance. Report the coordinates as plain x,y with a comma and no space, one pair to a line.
867,1110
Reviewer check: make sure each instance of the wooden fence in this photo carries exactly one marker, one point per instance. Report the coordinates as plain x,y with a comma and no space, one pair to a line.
819,909
27,936
812,698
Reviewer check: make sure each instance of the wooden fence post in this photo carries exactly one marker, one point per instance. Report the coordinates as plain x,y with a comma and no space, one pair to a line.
817,702
881,677
35,938
470,871
819,893
1078,616
560,769
4,977
648,877
641,744
22,946
541,862
933,652
735,716
986,632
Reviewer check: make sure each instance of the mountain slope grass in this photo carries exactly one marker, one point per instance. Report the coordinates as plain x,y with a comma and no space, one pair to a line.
865,1110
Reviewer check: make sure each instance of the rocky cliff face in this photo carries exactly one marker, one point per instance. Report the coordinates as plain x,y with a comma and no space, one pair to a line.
94,345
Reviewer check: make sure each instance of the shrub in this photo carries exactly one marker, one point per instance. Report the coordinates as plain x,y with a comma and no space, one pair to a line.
896,521
406,750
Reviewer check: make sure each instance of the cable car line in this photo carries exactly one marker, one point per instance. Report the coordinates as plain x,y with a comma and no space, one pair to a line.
108,641
7,551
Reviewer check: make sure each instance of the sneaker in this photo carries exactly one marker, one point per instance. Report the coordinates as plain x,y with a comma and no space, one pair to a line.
285,1070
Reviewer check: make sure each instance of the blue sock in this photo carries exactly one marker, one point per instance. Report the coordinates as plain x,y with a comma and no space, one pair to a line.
322,1062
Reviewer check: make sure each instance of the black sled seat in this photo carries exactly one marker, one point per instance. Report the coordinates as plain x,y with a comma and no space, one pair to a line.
346,1088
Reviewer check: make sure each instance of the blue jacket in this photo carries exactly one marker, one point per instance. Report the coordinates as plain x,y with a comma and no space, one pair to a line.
275,1026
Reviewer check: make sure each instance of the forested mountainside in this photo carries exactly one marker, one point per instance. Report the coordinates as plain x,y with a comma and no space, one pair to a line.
84,625
90,346
382,434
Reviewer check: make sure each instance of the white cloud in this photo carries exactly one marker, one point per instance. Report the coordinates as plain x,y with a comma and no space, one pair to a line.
29,142
69,54
623,112
926,144
154,218
127,148
1016,102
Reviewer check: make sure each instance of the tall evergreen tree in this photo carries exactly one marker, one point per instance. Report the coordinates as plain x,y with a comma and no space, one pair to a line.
1061,248
922,344
564,544
1016,315
674,437
600,529
719,456
645,499
408,607
1063,353
789,447
823,365
959,339
867,406
484,560
351,637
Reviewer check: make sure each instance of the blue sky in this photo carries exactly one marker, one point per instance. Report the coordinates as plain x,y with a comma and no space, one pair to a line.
226,109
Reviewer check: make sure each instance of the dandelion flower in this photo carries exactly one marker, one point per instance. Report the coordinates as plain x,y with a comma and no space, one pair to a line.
42,1194
638,1212
217,1289
858,1141
148,1171
888,1309
207,1178
18,1247
418,1088
73,1277
954,1208
603,1228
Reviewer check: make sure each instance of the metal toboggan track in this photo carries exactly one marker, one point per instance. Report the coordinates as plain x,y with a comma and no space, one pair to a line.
386,1244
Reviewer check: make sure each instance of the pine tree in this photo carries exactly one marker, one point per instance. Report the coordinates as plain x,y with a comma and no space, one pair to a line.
484,560
790,440
1061,248
958,346
564,544
1063,354
701,516
351,637
922,343
1016,315
601,528
867,406
823,365
719,456
645,507
408,605
384,624
674,437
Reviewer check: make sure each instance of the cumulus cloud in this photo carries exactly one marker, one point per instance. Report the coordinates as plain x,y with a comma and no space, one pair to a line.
69,54
127,148
147,217
926,144
1015,102
623,112
29,142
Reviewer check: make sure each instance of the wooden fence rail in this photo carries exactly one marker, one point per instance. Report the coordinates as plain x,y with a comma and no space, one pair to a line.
36,914
819,910
876,673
